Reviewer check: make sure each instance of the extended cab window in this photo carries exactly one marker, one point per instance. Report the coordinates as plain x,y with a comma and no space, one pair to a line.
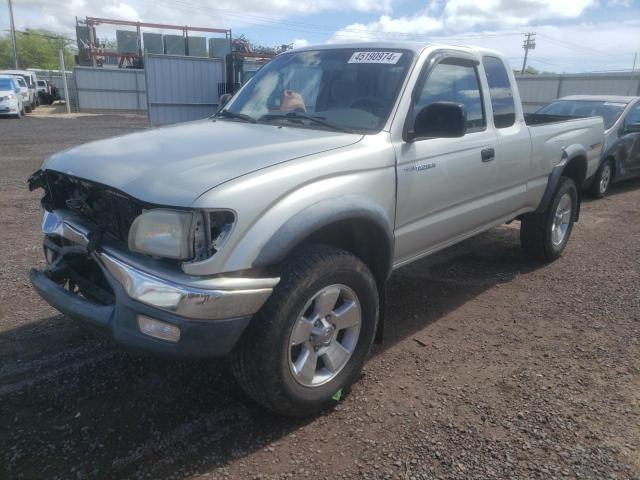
502,104
452,82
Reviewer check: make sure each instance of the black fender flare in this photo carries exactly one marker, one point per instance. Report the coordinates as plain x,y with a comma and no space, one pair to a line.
569,155
322,214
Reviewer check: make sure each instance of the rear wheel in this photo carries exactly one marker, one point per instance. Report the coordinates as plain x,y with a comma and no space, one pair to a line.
311,338
545,235
27,108
602,180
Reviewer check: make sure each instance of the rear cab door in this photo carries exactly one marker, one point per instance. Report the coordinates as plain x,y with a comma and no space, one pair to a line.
513,165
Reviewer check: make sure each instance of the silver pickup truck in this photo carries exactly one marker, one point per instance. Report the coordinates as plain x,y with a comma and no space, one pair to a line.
268,231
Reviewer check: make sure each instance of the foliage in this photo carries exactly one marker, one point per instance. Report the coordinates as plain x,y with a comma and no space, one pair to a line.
36,49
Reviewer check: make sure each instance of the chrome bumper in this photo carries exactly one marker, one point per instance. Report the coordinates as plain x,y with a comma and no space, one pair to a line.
208,298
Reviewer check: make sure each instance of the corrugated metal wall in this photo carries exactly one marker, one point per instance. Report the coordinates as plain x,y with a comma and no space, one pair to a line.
538,90
180,89
110,89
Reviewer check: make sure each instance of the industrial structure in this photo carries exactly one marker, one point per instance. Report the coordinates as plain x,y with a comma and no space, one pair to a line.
131,45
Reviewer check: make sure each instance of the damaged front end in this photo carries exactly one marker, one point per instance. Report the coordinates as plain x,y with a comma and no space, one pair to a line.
140,300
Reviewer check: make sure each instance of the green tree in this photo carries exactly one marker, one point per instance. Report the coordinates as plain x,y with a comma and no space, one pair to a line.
36,49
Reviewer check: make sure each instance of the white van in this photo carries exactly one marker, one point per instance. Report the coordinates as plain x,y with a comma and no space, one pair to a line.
32,82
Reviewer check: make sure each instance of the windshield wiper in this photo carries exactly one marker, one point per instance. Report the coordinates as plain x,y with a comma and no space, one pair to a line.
240,116
303,116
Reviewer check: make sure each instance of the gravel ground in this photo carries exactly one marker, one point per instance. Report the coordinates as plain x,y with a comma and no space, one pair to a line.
493,366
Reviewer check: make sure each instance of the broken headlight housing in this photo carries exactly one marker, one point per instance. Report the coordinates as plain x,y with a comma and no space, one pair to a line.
180,234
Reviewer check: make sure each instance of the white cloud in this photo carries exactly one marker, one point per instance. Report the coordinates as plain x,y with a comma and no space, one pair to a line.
60,14
122,10
403,26
300,42
463,14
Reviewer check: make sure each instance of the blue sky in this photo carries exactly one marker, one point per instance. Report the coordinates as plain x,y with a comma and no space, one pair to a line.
572,35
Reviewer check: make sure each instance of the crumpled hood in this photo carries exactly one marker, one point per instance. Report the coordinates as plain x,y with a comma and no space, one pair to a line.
175,165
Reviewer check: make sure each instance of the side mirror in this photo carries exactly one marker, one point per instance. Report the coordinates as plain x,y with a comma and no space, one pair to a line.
224,98
632,128
440,120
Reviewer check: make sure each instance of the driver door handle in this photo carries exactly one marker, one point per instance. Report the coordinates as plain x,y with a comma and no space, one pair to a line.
488,154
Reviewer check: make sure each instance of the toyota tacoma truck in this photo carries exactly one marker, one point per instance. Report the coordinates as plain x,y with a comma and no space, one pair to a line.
268,231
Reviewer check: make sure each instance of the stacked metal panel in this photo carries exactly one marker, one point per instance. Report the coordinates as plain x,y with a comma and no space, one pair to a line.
127,41
219,47
197,46
174,44
82,36
152,42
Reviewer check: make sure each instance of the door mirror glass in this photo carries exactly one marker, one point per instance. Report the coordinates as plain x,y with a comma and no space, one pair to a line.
224,98
440,120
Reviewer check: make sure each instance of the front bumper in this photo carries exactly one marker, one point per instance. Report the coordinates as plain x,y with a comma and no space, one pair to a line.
9,107
210,313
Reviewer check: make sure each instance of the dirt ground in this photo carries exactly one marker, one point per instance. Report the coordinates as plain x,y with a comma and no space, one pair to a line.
493,366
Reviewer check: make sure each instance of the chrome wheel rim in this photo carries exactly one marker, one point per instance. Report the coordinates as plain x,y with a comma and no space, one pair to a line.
324,335
605,178
561,220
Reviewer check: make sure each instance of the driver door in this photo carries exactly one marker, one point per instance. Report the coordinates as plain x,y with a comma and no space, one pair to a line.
443,183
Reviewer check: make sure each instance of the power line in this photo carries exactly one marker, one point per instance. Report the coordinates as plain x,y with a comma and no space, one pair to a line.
572,46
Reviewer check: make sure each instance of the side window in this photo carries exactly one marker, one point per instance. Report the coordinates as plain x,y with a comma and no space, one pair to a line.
502,104
449,82
633,116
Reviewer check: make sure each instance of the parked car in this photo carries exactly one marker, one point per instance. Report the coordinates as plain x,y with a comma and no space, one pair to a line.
43,92
24,92
31,79
268,231
10,97
621,157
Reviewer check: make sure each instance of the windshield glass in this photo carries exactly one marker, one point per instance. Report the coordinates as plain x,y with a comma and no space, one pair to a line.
609,111
350,89
41,83
6,84
21,82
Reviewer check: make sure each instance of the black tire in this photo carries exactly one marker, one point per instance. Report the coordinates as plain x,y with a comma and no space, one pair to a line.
260,361
602,180
536,229
28,108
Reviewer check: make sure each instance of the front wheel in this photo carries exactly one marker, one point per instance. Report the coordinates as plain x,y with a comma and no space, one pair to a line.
544,235
311,338
602,180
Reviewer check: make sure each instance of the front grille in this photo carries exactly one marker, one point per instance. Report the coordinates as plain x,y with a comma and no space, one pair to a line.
112,211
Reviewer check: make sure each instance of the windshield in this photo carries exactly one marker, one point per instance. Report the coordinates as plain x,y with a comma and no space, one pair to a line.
21,82
41,83
349,89
609,111
6,84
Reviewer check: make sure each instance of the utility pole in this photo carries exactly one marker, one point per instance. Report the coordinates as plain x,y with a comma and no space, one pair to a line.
67,100
528,44
635,57
13,37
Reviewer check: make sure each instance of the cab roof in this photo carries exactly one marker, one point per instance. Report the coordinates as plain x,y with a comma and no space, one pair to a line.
601,98
415,47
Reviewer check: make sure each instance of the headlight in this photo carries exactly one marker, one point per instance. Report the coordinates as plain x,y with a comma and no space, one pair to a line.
163,233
